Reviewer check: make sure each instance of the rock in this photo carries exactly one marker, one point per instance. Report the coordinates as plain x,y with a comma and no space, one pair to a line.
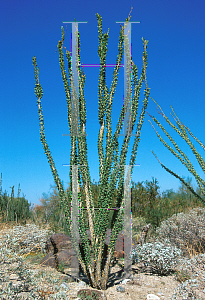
85,293
152,297
120,289
60,252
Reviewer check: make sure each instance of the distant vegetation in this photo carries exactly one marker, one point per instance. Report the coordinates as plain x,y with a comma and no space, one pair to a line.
147,203
14,209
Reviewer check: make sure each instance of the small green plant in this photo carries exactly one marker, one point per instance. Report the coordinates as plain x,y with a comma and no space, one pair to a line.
84,296
61,267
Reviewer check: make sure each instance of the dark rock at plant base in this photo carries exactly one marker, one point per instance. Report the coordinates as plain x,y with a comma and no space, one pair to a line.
84,293
61,255
60,252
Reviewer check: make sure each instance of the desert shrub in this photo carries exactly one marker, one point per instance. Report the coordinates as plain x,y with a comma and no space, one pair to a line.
161,257
185,231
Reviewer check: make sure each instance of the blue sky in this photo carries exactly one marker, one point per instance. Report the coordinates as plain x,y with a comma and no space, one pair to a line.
175,74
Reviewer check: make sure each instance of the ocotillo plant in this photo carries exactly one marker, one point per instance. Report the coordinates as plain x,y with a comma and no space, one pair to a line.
182,132
96,272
